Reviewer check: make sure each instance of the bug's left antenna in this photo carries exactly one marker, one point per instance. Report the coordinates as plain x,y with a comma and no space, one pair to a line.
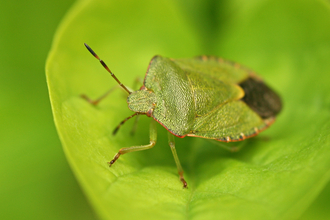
106,67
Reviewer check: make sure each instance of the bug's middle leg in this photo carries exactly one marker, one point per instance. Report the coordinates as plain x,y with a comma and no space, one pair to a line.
153,139
176,159
135,125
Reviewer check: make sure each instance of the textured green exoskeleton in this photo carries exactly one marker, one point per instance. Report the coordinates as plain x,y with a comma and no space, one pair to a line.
205,97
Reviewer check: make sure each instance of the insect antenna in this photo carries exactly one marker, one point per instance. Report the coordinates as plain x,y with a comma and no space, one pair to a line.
121,123
106,67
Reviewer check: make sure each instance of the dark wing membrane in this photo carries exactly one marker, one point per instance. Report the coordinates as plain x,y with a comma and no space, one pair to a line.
259,97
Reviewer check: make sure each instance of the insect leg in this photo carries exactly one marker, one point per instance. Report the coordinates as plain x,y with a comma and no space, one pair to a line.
138,80
229,146
135,125
96,101
176,158
153,139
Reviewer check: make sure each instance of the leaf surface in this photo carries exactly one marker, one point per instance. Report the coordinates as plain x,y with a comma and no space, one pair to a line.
277,175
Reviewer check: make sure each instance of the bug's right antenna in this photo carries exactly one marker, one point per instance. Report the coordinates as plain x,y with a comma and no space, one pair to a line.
106,67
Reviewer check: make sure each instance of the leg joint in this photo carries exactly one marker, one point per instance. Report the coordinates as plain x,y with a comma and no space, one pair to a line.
152,142
172,144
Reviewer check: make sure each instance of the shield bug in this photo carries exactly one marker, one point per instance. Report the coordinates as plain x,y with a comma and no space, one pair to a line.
206,97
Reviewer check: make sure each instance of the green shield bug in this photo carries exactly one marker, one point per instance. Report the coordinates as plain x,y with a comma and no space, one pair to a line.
204,97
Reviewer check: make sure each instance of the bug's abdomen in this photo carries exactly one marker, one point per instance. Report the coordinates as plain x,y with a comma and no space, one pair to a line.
260,98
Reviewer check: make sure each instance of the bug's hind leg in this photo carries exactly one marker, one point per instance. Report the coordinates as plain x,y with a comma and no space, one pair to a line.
153,139
176,159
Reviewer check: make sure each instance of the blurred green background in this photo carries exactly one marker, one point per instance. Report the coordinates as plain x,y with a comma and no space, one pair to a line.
35,179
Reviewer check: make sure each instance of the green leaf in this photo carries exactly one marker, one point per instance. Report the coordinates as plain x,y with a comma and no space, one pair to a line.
277,175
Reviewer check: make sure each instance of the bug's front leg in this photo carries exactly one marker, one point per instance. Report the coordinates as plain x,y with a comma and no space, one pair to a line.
153,139
176,159
96,101
99,99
